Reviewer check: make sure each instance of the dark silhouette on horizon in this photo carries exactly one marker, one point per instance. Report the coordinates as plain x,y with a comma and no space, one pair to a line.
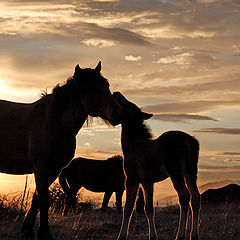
96,176
229,193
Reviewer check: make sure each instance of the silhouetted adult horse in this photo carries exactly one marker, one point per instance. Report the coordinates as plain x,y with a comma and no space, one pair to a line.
174,154
39,137
94,175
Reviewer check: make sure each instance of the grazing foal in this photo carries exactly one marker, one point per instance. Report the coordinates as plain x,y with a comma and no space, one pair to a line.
174,154
96,176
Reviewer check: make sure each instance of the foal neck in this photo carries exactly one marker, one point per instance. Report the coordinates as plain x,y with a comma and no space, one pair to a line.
135,131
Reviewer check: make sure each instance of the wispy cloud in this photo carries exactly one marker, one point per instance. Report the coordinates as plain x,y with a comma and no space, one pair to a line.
219,130
232,86
219,167
94,42
132,58
181,59
228,153
188,107
185,118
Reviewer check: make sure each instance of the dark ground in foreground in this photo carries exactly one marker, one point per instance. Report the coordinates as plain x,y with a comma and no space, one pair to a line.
216,222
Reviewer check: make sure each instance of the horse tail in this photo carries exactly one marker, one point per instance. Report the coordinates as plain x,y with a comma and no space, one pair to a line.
63,182
193,155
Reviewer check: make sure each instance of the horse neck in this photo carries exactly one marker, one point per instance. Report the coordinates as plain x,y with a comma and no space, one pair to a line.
68,119
134,134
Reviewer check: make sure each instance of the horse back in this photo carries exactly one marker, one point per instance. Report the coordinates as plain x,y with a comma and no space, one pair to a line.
14,136
95,175
179,150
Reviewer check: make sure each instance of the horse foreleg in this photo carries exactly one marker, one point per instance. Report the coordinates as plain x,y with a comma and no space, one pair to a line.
30,217
149,210
119,200
106,199
131,192
71,200
184,197
42,182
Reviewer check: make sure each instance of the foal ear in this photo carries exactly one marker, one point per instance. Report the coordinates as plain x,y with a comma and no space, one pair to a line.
146,116
77,69
98,67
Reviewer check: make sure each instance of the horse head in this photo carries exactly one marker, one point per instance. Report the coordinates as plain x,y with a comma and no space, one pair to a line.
131,112
96,98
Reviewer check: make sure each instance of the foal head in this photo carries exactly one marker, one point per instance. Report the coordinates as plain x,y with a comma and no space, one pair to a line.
95,96
132,114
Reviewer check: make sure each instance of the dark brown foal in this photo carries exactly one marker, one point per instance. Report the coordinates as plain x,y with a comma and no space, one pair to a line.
174,154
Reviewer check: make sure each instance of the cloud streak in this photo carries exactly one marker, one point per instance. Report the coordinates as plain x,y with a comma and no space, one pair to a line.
185,118
230,86
219,130
189,107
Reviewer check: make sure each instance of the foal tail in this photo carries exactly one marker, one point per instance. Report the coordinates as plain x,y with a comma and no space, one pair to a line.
63,182
193,155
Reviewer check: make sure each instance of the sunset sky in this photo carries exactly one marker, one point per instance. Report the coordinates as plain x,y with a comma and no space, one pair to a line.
177,59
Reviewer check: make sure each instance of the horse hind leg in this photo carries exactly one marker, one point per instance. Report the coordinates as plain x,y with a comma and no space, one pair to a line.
195,206
149,210
184,197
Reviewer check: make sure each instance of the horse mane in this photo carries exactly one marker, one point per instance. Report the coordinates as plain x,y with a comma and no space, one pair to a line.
146,131
60,88
64,93
117,157
65,88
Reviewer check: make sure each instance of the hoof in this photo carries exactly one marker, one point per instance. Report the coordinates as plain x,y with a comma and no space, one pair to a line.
153,238
27,233
180,238
44,235
121,238
27,236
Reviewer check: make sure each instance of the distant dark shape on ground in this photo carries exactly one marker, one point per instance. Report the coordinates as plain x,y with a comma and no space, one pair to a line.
228,193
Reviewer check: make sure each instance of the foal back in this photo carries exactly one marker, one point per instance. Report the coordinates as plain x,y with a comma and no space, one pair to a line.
179,153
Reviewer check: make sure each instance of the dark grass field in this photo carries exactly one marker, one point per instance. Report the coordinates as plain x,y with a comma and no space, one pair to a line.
216,222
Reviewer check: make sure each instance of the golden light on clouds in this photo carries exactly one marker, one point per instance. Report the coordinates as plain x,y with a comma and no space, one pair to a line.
177,59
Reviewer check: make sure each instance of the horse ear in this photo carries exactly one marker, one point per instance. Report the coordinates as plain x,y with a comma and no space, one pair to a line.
98,67
146,116
77,69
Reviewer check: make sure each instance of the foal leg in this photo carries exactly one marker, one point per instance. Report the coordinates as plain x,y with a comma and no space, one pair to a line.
195,206
140,201
149,210
184,197
119,200
131,193
71,199
29,220
106,199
